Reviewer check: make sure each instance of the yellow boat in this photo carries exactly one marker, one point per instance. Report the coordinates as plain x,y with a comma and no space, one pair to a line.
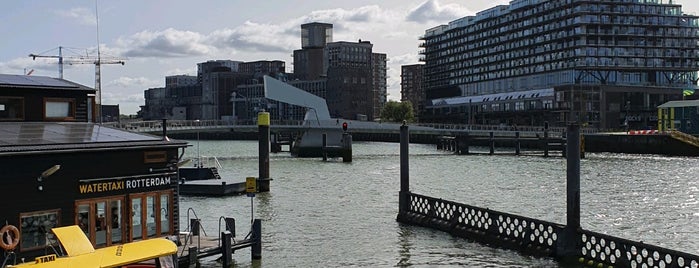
81,253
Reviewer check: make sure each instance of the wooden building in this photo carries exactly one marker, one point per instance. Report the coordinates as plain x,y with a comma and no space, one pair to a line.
116,185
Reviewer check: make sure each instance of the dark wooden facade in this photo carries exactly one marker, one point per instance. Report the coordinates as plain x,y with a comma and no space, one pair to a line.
117,191
37,98
59,169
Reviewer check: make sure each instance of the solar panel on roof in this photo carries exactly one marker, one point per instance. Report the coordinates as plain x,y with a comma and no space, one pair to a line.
64,133
27,80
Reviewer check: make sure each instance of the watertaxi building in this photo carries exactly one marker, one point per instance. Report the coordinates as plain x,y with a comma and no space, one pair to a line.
599,62
116,185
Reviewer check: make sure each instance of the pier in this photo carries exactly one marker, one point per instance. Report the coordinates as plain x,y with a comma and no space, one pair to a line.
568,243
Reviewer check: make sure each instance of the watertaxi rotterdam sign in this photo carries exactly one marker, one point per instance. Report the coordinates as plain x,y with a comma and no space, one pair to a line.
121,184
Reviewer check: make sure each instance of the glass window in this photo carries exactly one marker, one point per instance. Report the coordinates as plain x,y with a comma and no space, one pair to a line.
164,214
59,108
35,227
116,221
136,228
11,108
101,224
150,216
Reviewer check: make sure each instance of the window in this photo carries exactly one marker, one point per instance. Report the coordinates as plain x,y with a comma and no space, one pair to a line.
150,214
11,108
35,226
59,108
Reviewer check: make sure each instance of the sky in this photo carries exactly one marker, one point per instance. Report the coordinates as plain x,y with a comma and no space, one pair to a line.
157,38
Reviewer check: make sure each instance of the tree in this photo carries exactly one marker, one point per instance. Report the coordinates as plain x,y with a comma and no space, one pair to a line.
395,111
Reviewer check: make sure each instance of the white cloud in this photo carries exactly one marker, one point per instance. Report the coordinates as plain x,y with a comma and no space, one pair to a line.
410,58
167,43
82,15
133,82
433,11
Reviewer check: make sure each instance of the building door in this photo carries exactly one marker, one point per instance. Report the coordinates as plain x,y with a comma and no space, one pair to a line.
151,214
101,219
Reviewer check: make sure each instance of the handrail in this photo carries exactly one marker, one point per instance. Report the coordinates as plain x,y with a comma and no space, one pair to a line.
684,137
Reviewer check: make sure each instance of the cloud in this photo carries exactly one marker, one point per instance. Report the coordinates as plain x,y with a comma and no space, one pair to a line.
410,58
433,11
82,15
170,43
136,82
251,36
372,13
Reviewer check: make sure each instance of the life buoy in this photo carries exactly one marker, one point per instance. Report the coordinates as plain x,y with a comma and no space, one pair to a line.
9,237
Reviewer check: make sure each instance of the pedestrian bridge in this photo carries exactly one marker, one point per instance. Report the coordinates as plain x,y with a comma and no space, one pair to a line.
354,126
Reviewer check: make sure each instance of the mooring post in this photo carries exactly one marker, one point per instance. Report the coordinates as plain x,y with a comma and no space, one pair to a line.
263,138
226,251
492,143
256,249
517,147
546,139
567,247
346,147
193,255
404,195
164,129
322,147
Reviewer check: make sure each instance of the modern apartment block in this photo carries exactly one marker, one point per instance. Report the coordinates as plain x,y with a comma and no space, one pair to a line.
602,63
411,80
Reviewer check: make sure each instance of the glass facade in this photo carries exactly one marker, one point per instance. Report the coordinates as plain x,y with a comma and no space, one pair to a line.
534,44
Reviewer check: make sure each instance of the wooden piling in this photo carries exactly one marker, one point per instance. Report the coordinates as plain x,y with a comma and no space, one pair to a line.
346,147
517,143
403,196
263,136
492,143
226,251
256,248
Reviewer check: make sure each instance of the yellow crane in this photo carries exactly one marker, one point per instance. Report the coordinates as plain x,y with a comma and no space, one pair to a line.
79,58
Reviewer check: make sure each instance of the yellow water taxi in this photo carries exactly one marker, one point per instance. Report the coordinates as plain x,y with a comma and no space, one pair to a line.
155,252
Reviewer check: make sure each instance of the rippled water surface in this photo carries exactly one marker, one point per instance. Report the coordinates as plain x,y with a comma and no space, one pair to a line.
325,214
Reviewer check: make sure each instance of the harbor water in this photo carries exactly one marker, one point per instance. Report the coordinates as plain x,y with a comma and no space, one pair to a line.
328,214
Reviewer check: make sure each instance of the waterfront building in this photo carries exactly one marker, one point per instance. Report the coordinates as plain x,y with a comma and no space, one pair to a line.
208,96
356,80
180,80
48,150
39,98
602,63
411,79
309,60
248,100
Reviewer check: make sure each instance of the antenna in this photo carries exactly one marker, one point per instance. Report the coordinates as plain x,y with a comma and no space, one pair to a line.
98,83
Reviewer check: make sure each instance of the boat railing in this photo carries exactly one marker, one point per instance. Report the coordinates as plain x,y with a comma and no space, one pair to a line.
204,161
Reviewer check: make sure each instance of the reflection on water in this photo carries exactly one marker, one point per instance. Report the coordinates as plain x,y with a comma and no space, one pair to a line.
343,214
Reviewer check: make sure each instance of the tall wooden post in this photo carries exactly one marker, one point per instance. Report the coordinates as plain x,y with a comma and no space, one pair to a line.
567,244
404,197
263,138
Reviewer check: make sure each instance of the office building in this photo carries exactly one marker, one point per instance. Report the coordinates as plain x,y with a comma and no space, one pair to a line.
602,63
308,61
356,80
411,86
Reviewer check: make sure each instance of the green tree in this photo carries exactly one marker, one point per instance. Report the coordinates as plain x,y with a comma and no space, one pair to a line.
395,111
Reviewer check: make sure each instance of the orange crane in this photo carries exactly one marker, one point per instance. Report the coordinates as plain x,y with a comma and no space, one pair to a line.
84,59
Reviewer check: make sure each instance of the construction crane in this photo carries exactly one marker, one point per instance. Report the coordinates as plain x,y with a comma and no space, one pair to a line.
84,59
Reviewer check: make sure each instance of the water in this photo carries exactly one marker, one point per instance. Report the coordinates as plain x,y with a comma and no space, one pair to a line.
343,214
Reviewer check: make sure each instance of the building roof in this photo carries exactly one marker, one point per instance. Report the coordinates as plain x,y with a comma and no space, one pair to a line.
42,137
42,82
683,103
